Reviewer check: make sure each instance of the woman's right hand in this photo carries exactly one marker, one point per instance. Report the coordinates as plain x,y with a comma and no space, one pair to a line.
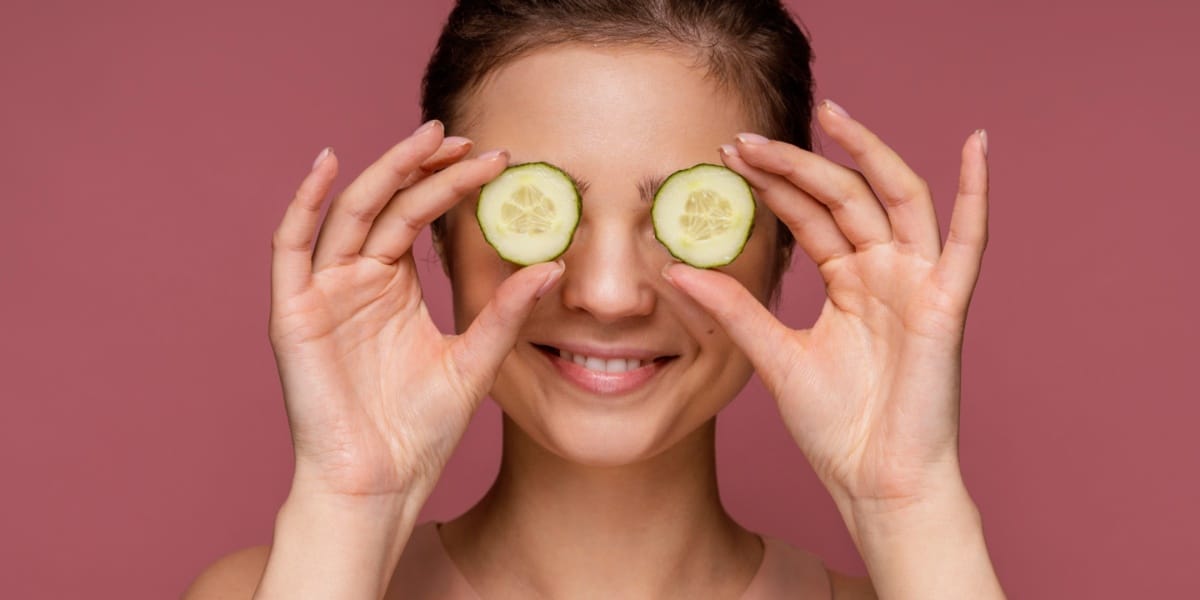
376,396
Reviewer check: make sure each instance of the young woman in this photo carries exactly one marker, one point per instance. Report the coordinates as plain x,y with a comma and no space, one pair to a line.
611,363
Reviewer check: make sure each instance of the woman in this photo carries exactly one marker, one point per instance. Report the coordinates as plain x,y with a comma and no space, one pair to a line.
607,486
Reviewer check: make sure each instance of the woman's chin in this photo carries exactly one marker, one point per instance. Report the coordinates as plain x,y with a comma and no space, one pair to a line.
602,442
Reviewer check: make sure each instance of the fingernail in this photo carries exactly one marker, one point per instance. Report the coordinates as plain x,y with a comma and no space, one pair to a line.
752,138
427,126
491,154
834,108
455,141
321,157
982,139
729,150
552,278
666,271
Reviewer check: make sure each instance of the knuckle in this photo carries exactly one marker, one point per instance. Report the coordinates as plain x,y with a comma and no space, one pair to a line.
279,241
855,185
965,239
364,213
921,186
914,190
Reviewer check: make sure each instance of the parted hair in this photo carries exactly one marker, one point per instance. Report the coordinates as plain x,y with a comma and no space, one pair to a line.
753,47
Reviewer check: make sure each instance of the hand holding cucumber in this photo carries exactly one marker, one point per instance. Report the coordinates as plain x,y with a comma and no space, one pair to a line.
870,392
376,396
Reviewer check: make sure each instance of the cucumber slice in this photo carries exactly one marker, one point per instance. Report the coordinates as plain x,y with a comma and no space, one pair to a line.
704,215
529,212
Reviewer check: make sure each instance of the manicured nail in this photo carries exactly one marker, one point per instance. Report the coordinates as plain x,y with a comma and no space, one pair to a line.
982,139
455,142
729,150
427,126
321,157
552,278
491,154
834,108
752,138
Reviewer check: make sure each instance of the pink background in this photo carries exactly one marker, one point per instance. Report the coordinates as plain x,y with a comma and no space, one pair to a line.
148,153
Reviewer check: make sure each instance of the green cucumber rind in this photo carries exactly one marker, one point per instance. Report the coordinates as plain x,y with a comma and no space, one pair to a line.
749,230
574,227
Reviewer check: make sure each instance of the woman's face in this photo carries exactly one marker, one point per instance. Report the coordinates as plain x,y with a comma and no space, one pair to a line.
619,120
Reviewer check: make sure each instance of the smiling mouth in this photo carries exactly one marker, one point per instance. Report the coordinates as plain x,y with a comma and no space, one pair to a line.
603,365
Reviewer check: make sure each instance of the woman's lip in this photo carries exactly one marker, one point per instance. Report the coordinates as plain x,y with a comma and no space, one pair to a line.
602,352
604,383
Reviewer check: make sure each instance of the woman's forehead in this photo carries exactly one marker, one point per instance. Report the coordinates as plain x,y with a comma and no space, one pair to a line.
615,98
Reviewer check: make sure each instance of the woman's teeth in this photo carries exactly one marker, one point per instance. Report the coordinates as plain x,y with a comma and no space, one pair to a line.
602,365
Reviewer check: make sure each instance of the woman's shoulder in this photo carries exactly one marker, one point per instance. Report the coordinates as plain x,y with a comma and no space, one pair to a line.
423,572
234,575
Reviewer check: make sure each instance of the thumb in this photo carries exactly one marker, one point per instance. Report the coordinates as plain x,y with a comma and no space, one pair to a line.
749,324
478,352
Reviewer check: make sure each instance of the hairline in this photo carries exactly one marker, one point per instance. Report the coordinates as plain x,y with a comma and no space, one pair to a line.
462,120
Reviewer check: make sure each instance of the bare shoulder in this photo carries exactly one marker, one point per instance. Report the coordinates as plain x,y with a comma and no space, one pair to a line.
849,587
233,576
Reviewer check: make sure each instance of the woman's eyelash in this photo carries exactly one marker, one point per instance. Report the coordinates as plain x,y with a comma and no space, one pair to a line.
581,184
648,187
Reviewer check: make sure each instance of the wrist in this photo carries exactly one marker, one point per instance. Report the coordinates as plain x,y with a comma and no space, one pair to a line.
904,495
927,545
335,546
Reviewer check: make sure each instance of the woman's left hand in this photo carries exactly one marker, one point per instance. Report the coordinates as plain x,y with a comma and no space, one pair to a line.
871,391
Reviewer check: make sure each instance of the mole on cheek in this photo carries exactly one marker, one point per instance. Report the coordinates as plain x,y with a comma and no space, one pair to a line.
711,331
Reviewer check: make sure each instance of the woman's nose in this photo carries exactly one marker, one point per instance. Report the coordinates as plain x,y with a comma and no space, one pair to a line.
608,274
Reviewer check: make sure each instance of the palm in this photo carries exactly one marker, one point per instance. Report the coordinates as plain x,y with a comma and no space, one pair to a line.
359,349
873,400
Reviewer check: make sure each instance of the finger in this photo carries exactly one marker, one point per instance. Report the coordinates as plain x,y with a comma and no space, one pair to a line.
749,324
810,222
396,228
957,270
354,210
477,353
904,194
453,148
291,244
842,190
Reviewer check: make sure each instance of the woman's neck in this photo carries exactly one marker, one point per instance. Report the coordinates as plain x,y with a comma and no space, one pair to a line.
550,527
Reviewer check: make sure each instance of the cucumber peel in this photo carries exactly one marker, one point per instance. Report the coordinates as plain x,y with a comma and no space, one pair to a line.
529,213
703,215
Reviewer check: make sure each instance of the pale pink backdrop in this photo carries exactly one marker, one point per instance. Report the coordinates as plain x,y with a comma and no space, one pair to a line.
149,148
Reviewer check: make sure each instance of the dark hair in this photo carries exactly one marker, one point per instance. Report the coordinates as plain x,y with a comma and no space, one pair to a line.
753,47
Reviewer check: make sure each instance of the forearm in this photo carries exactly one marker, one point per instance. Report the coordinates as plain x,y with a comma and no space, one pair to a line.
330,547
927,549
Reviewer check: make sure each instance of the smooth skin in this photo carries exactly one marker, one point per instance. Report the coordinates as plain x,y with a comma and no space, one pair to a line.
870,392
